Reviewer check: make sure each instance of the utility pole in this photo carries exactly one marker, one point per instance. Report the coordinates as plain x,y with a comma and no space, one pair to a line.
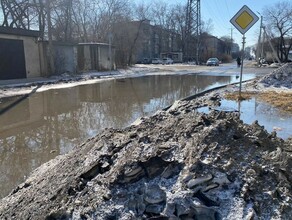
231,40
193,29
263,42
231,33
273,50
258,56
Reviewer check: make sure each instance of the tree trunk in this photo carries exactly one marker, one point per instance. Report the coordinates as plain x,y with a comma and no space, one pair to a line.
50,48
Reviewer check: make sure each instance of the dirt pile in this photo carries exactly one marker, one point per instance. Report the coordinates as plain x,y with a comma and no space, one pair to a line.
281,77
177,164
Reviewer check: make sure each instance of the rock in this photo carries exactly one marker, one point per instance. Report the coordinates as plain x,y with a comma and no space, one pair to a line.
154,209
154,194
211,186
204,213
200,180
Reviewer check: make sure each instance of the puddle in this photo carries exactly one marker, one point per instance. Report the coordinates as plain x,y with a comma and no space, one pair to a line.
268,116
49,123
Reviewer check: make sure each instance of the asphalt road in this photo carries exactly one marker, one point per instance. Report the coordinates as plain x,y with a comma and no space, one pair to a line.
225,68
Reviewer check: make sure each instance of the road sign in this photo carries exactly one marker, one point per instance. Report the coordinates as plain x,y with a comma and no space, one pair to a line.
244,19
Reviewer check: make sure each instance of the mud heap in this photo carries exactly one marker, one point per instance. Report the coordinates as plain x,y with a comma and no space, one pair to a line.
178,164
280,77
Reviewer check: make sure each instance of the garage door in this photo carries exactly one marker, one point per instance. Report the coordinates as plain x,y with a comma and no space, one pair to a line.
12,61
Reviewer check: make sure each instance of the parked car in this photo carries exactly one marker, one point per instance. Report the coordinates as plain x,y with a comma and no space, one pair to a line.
146,61
156,61
213,62
167,61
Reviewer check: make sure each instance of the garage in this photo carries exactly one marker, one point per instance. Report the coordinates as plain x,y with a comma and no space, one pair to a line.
12,59
19,53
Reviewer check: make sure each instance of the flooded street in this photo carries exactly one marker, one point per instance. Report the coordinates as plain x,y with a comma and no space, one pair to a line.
50,123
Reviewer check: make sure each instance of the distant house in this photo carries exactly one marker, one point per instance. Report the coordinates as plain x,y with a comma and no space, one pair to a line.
19,53
235,48
144,41
211,46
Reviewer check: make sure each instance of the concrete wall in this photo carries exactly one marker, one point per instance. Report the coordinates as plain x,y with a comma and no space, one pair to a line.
95,57
31,53
87,58
65,60
104,62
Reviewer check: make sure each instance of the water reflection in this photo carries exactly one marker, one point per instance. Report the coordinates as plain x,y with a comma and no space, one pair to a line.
268,116
50,123
253,109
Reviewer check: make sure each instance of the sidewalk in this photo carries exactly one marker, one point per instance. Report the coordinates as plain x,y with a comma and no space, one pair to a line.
25,82
53,79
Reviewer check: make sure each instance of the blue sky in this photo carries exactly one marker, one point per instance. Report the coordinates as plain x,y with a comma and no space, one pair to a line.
221,11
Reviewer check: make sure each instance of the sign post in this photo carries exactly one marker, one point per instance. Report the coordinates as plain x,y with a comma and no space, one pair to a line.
243,20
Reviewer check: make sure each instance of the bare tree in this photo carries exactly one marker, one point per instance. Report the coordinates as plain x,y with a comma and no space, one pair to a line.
82,11
279,23
227,44
41,15
17,13
142,11
62,20
50,37
159,13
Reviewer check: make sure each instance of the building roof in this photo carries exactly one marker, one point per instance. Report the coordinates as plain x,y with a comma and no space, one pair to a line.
94,43
19,32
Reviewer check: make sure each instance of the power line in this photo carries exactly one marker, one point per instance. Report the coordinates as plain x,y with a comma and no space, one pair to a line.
210,10
227,9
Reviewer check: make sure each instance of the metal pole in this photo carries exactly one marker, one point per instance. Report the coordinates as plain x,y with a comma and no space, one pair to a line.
241,70
259,41
198,30
110,50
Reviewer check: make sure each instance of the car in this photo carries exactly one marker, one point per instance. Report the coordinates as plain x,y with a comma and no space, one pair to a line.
146,61
167,61
213,62
156,61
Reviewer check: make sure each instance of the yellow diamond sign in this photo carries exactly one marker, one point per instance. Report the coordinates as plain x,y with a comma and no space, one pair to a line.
244,19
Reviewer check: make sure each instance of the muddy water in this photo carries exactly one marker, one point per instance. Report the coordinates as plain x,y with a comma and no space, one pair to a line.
44,125
255,109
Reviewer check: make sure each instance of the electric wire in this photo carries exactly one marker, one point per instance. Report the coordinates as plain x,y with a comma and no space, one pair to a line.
218,23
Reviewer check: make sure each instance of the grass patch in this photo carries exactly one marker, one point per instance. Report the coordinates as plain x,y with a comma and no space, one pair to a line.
281,100
235,96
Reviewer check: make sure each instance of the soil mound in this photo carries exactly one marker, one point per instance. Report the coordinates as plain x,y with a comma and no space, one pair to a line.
177,164
281,77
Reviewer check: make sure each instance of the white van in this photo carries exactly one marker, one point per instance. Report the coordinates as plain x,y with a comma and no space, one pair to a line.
167,61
